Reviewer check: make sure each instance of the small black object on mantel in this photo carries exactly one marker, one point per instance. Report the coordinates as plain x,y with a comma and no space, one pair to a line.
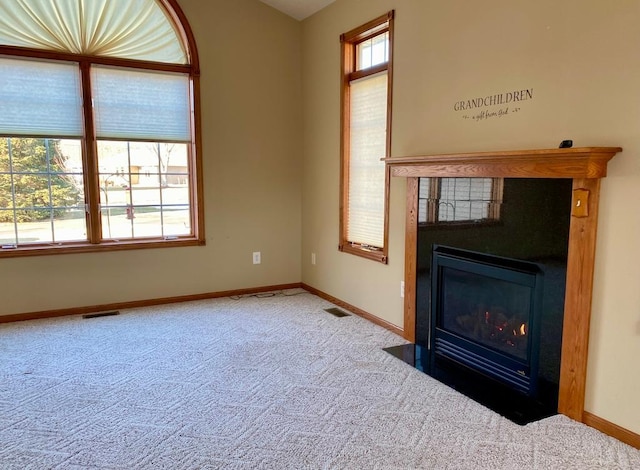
566,144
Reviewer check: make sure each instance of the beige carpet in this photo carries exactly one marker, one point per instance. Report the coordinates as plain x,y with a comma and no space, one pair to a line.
264,383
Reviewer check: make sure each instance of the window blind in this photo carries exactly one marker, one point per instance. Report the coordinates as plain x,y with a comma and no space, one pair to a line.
39,98
131,29
141,105
367,172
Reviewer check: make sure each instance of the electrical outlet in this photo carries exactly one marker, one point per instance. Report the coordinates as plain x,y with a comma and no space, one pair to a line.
257,257
313,258
402,289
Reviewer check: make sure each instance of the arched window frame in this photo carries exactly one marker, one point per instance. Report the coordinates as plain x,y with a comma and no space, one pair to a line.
95,241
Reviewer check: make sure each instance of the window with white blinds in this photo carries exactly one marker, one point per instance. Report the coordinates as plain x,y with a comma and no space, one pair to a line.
136,104
40,98
366,111
367,171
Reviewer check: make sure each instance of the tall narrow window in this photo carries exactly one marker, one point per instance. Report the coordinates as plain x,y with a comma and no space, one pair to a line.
366,138
99,129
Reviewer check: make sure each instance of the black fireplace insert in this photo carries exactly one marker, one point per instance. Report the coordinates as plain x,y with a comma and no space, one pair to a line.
485,315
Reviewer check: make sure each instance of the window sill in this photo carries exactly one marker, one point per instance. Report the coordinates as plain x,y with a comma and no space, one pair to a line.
375,255
84,247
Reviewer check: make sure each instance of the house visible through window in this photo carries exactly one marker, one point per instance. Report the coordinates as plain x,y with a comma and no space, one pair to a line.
366,138
98,126
459,200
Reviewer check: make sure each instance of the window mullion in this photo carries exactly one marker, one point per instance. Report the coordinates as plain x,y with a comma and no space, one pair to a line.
497,187
47,147
160,182
433,200
13,188
90,160
129,193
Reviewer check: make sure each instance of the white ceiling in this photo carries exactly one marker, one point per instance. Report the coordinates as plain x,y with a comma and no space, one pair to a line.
298,9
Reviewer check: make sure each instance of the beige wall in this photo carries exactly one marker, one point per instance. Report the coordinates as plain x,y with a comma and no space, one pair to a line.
251,122
581,59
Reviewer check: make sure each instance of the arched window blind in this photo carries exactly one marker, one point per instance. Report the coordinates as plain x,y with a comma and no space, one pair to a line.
127,29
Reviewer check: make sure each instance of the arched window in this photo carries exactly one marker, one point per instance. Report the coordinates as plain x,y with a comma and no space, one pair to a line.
99,138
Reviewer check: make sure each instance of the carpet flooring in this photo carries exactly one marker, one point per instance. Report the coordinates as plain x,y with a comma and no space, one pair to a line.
264,382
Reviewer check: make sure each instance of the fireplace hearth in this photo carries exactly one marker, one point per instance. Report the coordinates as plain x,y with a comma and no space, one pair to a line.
517,407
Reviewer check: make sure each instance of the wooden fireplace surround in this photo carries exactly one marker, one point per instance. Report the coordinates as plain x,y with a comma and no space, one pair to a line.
585,166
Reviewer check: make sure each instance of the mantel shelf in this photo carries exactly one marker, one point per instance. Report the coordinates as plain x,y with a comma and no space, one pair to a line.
586,162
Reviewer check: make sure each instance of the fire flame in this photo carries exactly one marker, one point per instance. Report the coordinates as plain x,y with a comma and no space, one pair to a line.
522,331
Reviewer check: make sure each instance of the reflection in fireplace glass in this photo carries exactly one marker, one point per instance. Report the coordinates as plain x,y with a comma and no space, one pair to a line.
459,200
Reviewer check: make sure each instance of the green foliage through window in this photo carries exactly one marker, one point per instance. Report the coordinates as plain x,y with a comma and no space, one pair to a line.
35,183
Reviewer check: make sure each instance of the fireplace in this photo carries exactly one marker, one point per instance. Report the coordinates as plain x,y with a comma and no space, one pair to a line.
485,315
490,290
584,167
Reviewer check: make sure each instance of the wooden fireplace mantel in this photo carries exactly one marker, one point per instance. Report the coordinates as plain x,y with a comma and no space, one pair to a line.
585,166
587,162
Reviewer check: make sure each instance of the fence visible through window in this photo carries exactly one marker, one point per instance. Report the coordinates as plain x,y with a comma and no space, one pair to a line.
144,190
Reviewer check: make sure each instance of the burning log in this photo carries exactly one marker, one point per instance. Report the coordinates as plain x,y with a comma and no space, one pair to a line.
494,325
